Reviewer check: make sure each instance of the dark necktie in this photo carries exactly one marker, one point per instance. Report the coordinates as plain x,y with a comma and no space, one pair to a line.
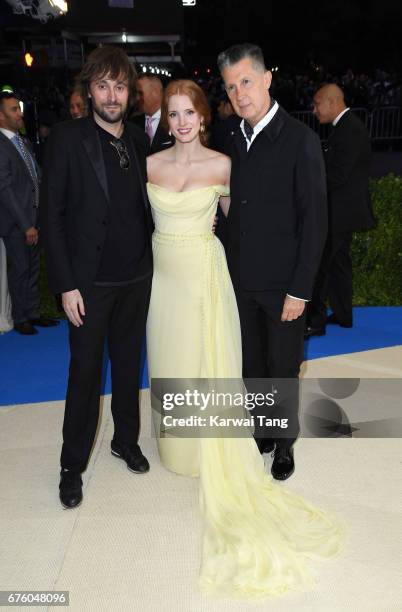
30,164
249,130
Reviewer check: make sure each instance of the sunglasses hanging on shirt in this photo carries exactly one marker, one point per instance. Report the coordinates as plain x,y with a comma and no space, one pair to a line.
122,152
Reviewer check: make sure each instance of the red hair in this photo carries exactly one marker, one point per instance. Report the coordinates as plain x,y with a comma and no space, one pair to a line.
185,87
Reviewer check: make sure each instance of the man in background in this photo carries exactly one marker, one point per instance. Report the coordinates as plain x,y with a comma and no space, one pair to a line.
224,126
19,203
47,119
347,160
78,106
149,100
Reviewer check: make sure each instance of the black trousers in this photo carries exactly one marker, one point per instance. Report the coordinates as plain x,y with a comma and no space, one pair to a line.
117,314
334,282
272,349
23,277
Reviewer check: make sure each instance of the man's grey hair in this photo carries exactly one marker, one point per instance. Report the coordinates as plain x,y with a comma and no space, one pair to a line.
236,53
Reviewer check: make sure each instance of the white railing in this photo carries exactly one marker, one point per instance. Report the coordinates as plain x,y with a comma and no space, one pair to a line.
383,123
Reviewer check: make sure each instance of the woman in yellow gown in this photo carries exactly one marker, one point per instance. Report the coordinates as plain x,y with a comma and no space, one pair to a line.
258,536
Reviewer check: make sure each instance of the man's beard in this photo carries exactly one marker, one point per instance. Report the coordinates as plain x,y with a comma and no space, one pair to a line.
103,114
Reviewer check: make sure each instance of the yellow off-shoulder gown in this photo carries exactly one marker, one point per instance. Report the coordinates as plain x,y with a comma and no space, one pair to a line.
258,536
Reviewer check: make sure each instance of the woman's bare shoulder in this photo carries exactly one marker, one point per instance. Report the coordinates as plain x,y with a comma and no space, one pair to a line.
219,158
161,156
220,164
158,160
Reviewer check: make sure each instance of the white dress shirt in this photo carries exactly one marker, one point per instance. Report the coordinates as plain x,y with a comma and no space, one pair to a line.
8,133
12,136
335,121
156,117
260,125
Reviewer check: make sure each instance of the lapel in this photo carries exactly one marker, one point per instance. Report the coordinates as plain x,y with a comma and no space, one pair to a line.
340,126
161,140
15,155
240,142
92,145
275,126
138,167
333,132
271,131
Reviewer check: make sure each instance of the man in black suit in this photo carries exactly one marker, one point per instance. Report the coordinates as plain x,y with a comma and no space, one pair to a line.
221,138
96,224
149,99
347,160
275,234
19,201
225,124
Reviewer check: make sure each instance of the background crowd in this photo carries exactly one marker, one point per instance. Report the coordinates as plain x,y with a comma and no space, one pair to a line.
46,106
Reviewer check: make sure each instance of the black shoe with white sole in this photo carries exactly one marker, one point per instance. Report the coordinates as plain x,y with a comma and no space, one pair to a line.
132,455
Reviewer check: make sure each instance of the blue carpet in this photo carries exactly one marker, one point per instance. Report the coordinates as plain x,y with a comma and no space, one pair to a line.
373,328
34,368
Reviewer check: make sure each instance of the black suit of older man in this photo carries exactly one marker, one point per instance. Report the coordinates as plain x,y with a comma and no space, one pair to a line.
276,230
161,140
347,160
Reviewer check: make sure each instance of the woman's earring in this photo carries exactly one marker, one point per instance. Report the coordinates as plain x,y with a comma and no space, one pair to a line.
170,133
202,128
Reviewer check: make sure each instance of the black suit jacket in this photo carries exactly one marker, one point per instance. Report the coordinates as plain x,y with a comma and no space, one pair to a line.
161,140
17,193
277,220
347,159
221,133
74,201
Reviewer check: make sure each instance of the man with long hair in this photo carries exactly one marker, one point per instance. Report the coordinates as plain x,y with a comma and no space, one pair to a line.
96,226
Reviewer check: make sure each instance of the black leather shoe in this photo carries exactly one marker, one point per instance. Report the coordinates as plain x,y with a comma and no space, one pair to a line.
283,464
44,322
132,455
70,489
333,320
264,445
26,328
314,331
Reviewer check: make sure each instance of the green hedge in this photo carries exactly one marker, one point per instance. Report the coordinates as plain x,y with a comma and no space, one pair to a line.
377,254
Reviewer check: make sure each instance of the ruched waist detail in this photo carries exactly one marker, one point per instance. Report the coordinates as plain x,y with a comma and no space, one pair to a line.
177,239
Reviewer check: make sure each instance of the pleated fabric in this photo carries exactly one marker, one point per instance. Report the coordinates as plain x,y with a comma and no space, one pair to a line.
258,537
